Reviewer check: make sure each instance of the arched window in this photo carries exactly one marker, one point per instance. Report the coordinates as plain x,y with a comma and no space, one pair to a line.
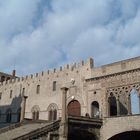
52,112
38,89
112,106
8,115
74,108
54,85
18,114
134,101
95,109
35,112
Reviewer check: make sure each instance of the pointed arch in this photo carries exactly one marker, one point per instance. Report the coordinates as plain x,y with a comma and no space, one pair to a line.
35,112
112,106
95,109
74,108
52,112
76,97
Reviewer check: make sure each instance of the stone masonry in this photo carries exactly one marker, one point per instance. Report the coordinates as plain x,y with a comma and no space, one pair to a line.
95,92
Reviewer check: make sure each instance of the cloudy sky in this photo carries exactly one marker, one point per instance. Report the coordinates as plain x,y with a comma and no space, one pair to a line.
36,35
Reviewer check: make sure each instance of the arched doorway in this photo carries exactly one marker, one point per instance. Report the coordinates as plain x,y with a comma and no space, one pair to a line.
130,135
112,106
74,108
95,109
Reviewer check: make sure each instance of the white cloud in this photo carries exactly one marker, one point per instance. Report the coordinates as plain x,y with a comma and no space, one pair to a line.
38,34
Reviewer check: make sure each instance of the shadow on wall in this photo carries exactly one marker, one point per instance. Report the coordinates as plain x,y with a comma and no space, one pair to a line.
11,113
123,109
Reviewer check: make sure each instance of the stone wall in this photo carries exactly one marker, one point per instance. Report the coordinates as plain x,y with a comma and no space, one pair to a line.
116,125
89,84
28,86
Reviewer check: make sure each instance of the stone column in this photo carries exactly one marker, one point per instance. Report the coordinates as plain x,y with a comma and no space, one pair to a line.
139,103
108,109
64,126
129,105
23,106
118,107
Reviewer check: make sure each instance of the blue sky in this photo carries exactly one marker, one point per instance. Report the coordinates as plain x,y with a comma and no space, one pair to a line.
36,35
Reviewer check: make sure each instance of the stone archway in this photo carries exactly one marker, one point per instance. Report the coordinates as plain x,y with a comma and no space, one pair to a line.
74,108
95,109
130,135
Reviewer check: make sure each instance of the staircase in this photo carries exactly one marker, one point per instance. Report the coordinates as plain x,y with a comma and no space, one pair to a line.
30,131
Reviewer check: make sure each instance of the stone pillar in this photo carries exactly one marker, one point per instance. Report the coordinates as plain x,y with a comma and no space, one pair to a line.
108,109
139,103
129,105
118,107
64,125
23,106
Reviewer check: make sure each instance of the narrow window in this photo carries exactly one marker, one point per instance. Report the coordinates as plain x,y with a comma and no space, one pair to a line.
112,106
0,95
38,89
23,91
11,93
54,85
35,115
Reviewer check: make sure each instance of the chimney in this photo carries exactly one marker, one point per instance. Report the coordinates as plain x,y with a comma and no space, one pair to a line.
14,73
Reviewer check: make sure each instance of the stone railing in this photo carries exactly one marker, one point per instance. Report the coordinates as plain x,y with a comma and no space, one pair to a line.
40,131
24,122
8,128
85,120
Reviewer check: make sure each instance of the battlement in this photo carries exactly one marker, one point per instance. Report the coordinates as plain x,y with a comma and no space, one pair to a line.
65,69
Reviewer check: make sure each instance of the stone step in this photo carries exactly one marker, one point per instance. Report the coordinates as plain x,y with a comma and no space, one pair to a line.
22,130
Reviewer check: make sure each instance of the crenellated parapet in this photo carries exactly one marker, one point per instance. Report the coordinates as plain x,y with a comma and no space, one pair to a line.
68,68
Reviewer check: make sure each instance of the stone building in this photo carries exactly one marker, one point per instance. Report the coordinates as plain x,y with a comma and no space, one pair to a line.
6,77
102,102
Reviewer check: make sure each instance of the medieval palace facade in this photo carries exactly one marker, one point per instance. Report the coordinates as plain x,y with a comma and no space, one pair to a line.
110,94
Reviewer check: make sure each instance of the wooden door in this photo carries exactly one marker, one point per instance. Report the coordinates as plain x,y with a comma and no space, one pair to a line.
74,108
